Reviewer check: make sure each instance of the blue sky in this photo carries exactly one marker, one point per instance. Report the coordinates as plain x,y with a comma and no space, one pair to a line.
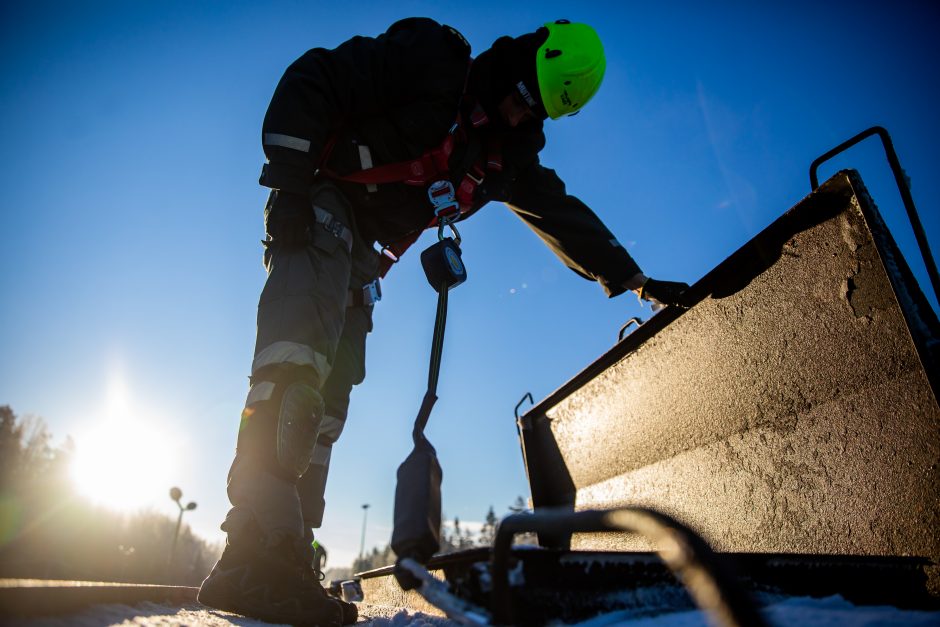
132,217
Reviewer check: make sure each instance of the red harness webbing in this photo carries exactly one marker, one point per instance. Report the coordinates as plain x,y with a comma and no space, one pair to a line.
432,166
429,167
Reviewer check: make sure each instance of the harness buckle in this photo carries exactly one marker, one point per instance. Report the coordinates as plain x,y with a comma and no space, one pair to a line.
366,296
372,292
334,227
443,198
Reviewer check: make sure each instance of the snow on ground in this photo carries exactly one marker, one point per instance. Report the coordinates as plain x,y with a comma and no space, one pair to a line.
796,611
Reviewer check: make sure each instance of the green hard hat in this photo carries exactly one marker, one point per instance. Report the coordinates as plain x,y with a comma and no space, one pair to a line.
570,67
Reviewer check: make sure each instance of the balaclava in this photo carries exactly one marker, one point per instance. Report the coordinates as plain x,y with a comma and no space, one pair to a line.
508,66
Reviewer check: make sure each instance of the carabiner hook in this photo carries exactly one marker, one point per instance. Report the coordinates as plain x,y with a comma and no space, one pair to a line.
448,222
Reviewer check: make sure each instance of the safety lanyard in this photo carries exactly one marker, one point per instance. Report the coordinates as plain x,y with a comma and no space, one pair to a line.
444,269
434,369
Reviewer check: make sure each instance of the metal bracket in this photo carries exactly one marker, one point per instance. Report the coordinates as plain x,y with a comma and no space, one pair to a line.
519,425
638,321
528,395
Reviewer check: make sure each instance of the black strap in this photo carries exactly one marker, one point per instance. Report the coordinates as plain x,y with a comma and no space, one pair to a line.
434,370
287,177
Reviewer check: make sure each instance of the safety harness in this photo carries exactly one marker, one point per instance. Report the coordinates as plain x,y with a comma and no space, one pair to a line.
432,171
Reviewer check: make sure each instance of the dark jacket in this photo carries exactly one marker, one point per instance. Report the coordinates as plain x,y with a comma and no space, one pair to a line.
398,94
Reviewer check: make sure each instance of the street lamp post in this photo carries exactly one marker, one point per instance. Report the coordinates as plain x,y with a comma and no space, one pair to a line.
362,544
176,494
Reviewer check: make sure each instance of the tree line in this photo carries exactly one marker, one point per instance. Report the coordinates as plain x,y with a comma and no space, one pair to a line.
48,531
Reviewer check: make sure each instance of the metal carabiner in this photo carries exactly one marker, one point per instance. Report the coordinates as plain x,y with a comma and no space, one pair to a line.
448,222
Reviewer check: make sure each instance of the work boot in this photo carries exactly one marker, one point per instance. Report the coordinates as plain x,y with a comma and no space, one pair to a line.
315,556
268,578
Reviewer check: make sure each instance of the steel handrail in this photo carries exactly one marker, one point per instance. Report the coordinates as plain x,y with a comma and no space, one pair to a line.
903,186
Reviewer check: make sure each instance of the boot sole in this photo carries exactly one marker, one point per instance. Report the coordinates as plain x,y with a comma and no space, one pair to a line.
231,601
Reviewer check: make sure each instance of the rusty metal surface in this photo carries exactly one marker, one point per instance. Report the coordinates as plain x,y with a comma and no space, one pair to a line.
792,409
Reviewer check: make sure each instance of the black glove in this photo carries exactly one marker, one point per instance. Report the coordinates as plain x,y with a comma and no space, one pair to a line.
663,292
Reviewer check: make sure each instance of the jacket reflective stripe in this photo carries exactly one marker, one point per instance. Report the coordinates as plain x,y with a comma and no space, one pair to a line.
261,391
291,353
286,141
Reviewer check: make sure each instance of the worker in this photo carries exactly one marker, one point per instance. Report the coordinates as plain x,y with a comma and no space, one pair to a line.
367,145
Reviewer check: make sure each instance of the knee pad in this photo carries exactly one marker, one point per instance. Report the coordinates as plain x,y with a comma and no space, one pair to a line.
281,420
298,426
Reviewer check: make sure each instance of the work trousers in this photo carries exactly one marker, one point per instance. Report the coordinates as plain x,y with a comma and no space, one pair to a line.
308,318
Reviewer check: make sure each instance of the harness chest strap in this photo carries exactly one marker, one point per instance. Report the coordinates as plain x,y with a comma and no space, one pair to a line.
433,165
427,168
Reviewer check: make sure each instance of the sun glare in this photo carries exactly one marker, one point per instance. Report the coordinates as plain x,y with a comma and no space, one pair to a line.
124,460
123,464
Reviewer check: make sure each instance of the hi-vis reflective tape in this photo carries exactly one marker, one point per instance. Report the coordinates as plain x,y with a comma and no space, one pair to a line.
286,141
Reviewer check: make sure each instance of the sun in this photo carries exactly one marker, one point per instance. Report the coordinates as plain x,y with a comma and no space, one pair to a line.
123,464
124,459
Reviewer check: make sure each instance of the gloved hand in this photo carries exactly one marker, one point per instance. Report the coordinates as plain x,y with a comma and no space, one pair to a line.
662,293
